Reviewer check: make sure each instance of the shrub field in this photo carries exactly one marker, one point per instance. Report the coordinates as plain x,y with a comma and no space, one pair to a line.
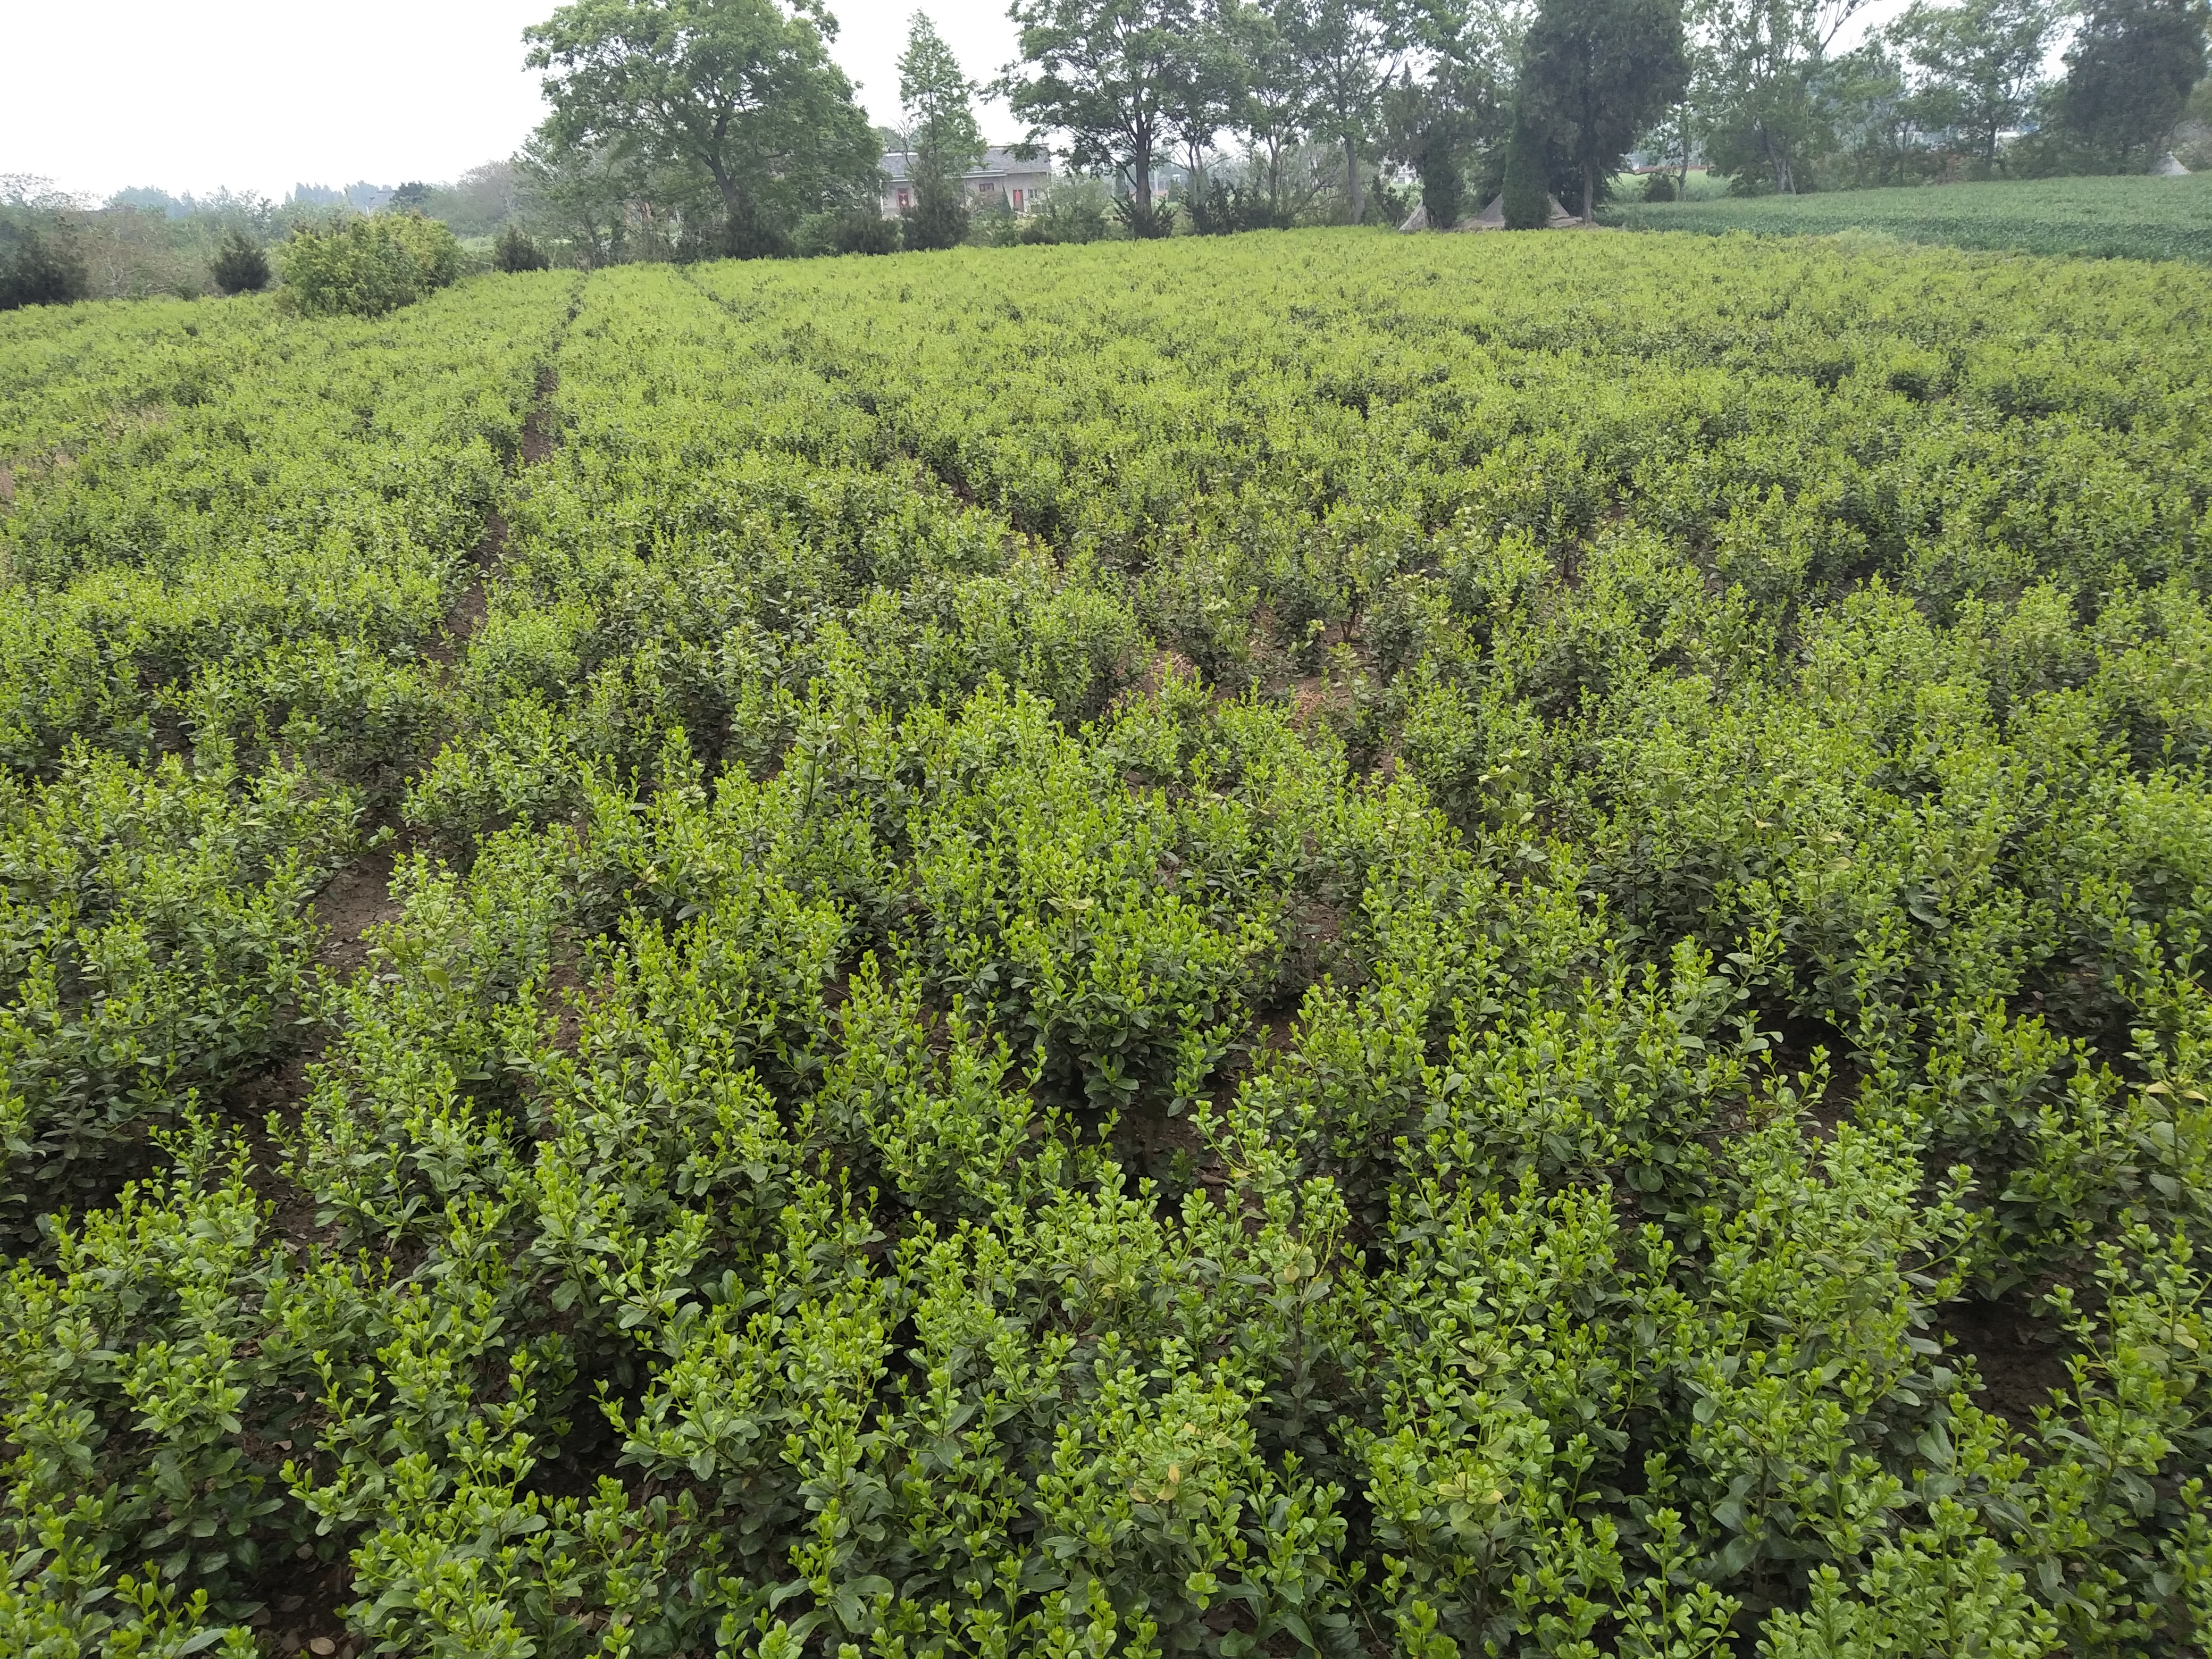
2130,218
1318,942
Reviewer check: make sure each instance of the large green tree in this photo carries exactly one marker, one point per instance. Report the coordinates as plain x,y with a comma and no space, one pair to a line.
741,92
1980,64
1275,101
943,140
1103,73
1206,82
1594,75
1347,47
1761,71
2128,72
1459,107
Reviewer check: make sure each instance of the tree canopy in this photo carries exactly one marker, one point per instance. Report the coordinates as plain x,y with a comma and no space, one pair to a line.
1981,63
1102,72
2129,73
941,135
740,94
1595,73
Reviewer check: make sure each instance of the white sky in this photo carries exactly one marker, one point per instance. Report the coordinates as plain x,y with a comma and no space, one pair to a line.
260,95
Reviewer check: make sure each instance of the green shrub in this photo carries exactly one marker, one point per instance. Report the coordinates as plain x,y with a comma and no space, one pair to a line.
239,266
1527,188
1313,943
368,267
856,230
513,251
1069,211
39,271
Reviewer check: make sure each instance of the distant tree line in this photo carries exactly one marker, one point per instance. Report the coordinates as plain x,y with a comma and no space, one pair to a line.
56,247
1944,91
682,128
689,129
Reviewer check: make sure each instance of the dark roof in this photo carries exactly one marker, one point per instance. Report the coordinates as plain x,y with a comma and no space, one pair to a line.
998,159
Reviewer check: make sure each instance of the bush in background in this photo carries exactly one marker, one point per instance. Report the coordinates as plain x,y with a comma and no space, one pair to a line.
239,266
1528,203
367,267
38,270
1070,211
513,251
855,230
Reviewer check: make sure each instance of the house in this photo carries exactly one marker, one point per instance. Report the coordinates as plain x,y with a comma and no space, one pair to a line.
1000,175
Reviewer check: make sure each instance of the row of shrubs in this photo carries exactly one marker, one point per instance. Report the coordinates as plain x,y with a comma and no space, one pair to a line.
365,267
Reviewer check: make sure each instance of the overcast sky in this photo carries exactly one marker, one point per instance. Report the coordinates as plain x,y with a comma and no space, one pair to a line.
257,96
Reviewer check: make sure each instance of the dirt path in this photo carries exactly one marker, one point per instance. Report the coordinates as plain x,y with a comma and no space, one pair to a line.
358,899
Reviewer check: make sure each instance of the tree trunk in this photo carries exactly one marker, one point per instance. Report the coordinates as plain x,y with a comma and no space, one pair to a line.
1143,189
1778,162
1352,170
1589,192
733,205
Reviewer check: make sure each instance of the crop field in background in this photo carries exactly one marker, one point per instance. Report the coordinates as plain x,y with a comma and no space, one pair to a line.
1320,942
2129,218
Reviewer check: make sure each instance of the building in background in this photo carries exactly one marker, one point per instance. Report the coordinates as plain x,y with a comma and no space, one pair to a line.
1000,174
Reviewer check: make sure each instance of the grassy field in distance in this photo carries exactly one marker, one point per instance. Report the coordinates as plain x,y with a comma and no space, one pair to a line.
2135,218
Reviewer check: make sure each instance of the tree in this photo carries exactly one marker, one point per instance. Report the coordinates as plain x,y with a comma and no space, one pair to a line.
39,271
1103,76
1274,103
1420,131
738,92
1595,73
367,267
239,266
1346,45
1527,200
1878,116
1980,64
942,139
2129,73
1760,62
1456,111
582,193
491,194
514,251
1205,83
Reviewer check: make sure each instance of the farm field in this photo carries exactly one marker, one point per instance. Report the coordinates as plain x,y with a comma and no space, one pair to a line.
2131,218
1316,942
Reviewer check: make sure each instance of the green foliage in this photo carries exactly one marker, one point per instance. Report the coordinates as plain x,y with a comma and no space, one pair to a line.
1528,203
1286,944
1072,210
36,270
367,267
858,230
1980,64
239,266
2130,70
1103,73
737,100
2101,217
1596,73
514,250
942,139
